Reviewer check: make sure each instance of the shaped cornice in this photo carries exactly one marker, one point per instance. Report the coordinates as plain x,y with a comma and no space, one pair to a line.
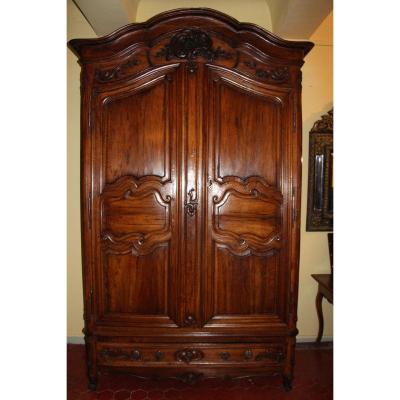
203,18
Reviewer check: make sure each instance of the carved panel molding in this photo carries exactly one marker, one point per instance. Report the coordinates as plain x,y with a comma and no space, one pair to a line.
247,241
138,243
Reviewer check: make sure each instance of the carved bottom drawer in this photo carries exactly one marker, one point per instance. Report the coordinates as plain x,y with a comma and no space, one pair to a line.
173,355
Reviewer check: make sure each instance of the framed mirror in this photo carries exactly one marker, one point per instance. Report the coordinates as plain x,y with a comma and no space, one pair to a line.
320,175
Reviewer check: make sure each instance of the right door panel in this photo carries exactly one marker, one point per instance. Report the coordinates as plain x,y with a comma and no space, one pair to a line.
246,235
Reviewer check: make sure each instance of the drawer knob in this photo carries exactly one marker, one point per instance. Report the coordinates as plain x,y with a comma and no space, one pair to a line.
248,354
159,355
225,355
136,355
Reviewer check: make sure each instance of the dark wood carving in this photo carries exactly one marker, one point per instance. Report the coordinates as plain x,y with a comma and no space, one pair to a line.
190,44
191,202
191,187
325,124
320,175
189,355
119,355
116,72
270,354
190,378
279,74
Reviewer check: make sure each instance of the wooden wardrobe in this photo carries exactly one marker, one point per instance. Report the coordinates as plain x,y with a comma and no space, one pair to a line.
190,193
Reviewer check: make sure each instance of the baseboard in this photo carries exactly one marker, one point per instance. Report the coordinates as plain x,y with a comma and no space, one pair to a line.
309,339
75,340
300,339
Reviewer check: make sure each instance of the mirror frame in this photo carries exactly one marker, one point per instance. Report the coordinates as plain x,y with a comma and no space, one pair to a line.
320,175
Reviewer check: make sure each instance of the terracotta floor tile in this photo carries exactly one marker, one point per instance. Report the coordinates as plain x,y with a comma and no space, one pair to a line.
122,395
106,395
138,395
89,395
155,395
173,394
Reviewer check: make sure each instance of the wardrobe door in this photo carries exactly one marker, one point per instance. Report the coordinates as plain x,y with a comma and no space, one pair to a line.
247,233
134,213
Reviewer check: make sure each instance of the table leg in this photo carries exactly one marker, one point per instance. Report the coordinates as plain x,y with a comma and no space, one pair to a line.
318,303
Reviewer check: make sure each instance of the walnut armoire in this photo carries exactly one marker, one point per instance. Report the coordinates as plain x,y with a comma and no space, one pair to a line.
190,194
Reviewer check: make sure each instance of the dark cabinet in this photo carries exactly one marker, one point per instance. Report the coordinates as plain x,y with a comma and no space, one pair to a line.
191,176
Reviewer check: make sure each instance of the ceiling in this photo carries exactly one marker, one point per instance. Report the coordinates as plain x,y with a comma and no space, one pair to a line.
291,19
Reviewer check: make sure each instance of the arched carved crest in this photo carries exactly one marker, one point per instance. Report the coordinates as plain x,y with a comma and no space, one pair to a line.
325,124
198,35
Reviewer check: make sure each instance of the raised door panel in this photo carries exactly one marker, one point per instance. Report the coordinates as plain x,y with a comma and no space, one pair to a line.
135,207
137,138
247,269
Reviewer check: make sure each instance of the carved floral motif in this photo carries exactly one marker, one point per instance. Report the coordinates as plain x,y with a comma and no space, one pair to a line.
189,355
116,72
190,44
278,75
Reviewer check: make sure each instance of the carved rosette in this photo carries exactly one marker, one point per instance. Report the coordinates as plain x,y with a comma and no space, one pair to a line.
189,355
191,44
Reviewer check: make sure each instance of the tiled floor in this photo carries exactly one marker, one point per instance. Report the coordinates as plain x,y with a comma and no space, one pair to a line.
313,381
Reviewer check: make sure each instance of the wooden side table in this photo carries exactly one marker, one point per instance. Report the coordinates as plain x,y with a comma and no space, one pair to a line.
325,289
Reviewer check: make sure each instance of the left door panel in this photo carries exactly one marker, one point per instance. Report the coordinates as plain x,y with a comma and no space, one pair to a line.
135,211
